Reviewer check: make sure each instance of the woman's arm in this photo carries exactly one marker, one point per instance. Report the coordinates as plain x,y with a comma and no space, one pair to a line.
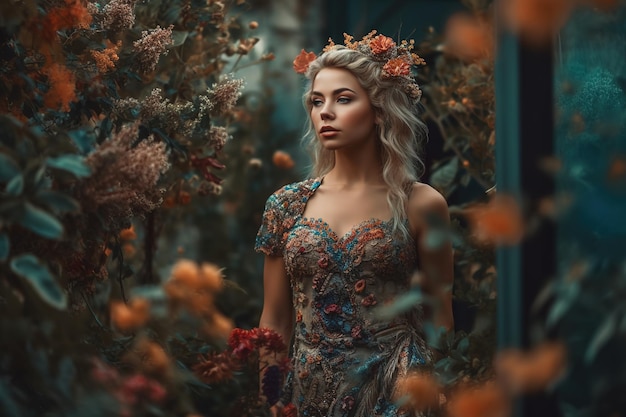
428,211
277,305
277,298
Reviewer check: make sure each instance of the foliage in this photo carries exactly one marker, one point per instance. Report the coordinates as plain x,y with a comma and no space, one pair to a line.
459,108
111,110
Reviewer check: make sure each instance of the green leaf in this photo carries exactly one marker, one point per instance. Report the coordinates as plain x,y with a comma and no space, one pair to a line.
16,185
83,139
601,337
463,346
401,304
179,37
70,163
28,266
8,168
5,247
41,222
8,403
58,202
444,176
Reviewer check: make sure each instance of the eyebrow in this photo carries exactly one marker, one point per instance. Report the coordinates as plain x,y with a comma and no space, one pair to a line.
335,92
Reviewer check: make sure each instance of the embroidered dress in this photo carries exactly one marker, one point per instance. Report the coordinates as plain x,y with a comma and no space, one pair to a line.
346,356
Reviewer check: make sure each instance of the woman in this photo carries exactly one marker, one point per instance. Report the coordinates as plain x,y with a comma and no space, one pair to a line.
342,246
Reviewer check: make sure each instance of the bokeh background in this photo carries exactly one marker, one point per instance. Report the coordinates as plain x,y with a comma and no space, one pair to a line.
139,141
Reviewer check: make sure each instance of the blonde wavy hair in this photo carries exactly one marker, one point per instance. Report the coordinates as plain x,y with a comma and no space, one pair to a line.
401,132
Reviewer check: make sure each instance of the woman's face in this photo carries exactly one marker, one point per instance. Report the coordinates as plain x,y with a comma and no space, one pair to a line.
341,111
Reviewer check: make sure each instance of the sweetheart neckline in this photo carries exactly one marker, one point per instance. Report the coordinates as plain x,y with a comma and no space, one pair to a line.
351,231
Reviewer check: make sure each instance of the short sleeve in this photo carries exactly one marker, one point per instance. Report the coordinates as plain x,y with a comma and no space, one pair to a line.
269,239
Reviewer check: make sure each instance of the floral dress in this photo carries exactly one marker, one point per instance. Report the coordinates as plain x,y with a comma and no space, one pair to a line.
346,355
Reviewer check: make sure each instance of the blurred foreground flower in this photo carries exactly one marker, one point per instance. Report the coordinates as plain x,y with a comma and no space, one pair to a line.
469,37
418,392
499,221
249,351
127,318
486,400
536,21
531,371
282,160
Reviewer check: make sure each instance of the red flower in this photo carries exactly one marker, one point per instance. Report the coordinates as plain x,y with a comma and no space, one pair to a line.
368,301
290,411
332,308
397,67
359,286
303,60
381,44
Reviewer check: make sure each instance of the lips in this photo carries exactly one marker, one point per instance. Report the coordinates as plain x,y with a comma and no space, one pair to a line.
328,129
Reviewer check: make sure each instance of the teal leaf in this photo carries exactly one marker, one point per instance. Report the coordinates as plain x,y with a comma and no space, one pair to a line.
8,403
83,139
70,163
28,266
5,247
8,168
16,185
601,337
402,303
179,37
566,296
41,222
57,202
444,176
464,345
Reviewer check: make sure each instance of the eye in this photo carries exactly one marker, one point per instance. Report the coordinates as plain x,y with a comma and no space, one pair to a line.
344,100
316,102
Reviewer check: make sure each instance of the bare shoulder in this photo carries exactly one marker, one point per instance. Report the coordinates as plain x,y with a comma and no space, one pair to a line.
425,200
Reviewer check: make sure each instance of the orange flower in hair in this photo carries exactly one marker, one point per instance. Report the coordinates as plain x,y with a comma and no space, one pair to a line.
381,44
397,67
303,60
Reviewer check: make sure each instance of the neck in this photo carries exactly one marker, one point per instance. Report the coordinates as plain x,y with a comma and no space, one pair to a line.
356,168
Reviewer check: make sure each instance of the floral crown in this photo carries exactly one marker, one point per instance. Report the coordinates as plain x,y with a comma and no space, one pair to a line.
397,60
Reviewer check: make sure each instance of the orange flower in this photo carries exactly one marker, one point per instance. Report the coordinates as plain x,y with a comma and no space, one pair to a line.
132,316
302,61
537,21
499,221
149,356
105,60
187,273
397,67
129,250
283,160
418,392
128,234
487,400
211,277
73,15
62,89
219,326
469,37
531,371
617,169
381,44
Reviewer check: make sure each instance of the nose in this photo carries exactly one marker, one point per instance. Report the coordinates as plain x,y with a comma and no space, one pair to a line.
326,112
